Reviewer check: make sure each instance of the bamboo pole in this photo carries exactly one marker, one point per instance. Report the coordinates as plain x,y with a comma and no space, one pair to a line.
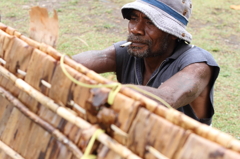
46,126
9,151
67,115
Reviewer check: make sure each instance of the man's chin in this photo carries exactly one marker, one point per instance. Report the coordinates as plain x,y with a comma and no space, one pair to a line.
137,53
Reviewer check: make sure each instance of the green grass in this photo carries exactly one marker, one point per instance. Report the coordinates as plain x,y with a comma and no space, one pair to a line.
97,24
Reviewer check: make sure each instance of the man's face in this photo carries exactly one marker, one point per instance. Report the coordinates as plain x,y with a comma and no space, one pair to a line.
147,40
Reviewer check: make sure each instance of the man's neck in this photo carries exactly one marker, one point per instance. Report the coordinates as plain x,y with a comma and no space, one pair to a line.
152,63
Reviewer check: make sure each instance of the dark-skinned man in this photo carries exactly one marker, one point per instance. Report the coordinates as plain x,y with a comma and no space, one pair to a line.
160,58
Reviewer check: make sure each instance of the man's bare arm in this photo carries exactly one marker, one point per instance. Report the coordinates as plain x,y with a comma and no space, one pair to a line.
98,61
186,86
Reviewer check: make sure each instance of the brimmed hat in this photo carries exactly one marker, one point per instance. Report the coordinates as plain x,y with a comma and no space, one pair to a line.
170,16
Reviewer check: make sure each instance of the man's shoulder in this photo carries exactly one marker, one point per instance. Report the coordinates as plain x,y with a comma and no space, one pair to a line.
204,54
192,51
200,50
191,48
187,54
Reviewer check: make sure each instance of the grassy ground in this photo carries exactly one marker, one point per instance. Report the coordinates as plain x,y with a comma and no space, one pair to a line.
96,24
216,28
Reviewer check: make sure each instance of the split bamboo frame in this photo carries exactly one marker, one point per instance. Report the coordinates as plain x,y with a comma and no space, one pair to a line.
173,116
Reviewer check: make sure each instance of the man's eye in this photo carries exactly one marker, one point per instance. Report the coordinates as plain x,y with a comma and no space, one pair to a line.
133,18
150,22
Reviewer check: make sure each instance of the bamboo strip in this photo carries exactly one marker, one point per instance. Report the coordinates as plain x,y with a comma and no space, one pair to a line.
10,151
10,133
55,132
5,112
63,112
173,116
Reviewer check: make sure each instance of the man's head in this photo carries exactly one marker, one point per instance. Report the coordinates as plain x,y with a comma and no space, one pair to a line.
170,16
147,40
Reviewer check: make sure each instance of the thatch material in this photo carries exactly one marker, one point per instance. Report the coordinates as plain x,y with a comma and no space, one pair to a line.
43,28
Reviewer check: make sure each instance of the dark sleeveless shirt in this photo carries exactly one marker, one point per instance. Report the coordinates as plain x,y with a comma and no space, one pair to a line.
129,70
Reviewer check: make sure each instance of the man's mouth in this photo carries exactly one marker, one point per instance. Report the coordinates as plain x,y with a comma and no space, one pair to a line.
138,44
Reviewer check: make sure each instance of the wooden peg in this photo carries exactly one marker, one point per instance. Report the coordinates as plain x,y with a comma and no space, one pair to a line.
76,106
155,152
21,72
3,61
118,131
46,84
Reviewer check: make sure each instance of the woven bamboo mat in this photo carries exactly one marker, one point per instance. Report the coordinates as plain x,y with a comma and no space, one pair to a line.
45,114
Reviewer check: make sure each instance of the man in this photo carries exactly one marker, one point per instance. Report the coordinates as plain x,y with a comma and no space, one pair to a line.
160,58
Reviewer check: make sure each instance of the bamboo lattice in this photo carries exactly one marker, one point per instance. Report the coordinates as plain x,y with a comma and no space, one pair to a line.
46,115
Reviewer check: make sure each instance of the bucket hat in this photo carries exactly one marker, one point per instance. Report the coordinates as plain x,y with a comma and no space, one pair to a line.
170,16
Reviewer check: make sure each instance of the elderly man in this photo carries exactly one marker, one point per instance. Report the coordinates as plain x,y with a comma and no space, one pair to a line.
160,58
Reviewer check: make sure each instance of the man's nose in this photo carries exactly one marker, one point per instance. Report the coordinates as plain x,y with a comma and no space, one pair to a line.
137,29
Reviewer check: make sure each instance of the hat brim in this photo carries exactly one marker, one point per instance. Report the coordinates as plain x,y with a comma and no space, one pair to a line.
161,19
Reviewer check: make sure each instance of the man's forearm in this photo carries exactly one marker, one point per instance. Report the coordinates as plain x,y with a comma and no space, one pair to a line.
90,59
157,93
98,61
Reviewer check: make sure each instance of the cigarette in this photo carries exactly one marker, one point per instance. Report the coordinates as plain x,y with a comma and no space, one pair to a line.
126,44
